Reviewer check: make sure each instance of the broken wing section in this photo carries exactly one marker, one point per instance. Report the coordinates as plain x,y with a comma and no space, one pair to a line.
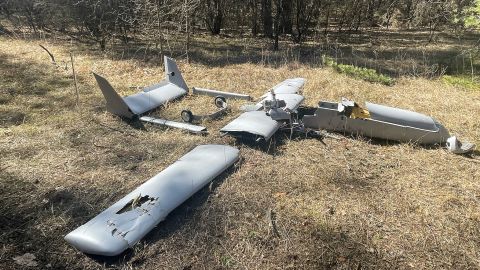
153,97
257,122
171,88
254,123
126,222
384,122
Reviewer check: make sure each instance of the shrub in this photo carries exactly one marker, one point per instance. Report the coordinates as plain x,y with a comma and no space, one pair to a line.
367,74
462,81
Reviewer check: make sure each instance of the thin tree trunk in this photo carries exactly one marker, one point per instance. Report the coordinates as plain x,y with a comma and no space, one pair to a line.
74,79
254,17
267,18
187,29
276,26
327,23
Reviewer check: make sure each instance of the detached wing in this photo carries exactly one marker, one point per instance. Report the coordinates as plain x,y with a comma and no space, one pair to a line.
153,97
252,124
127,221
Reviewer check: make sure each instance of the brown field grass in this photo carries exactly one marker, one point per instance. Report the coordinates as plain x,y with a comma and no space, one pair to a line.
348,203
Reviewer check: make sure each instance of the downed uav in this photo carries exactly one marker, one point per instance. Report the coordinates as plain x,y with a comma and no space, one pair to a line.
128,220
279,109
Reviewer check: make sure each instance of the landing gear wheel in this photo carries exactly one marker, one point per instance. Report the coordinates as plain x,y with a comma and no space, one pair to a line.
220,101
187,116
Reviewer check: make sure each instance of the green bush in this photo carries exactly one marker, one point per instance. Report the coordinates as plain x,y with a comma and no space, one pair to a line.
369,75
462,81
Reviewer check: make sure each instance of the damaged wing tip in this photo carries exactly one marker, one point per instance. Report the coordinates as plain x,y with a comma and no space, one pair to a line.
126,222
94,246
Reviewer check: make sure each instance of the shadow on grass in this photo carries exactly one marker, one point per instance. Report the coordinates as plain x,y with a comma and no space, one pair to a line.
335,248
279,138
28,79
27,215
198,233
474,155
32,83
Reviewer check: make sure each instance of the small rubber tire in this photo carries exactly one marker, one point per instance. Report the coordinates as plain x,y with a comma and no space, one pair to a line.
187,116
220,101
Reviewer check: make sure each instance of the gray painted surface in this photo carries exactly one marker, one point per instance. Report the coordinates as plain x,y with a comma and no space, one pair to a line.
256,122
115,103
163,122
149,98
214,93
146,101
401,117
385,123
289,86
127,221
173,74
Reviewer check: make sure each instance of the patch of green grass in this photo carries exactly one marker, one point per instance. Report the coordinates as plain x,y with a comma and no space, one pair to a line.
366,74
462,81
227,261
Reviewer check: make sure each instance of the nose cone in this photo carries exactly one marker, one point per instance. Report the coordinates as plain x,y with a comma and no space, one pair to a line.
97,243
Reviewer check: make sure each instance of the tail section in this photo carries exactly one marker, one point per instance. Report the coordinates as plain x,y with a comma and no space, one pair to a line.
173,74
115,103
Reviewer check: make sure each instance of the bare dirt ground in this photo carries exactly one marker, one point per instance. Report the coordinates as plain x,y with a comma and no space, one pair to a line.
348,203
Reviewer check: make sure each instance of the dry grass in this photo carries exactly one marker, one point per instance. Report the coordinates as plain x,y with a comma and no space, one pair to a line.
351,203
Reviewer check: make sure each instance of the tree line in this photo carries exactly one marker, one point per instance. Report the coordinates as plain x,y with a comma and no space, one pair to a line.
298,20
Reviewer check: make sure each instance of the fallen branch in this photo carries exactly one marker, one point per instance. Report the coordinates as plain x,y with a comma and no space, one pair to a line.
4,168
49,53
